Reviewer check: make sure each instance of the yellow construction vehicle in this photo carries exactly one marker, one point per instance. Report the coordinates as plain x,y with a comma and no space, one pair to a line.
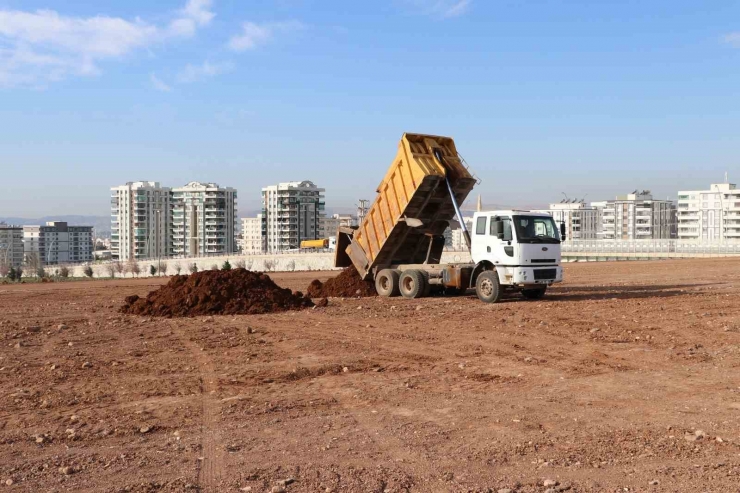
315,244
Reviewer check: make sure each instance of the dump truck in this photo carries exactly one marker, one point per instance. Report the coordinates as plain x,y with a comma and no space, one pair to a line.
400,241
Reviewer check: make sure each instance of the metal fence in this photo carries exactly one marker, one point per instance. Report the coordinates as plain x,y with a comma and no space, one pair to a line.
652,246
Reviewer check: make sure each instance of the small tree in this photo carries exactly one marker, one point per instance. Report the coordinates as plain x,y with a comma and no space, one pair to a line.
33,262
152,270
41,273
64,271
132,266
4,269
193,268
111,270
290,266
162,267
11,274
226,266
248,265
214,267
178,268
88,271
269,264
120,268
18,273
241,264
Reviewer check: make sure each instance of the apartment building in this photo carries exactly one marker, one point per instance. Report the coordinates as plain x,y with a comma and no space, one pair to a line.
203,220
581,220
140,220
292,212
636,216
57,243
11,246
712,215
252,235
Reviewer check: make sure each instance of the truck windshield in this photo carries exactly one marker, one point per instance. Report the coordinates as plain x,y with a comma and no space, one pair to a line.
536,229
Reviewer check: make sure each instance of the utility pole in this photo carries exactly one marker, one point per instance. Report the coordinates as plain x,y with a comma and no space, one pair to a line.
362,210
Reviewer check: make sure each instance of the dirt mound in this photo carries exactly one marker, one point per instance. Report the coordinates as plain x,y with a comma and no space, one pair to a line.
346,284
214,292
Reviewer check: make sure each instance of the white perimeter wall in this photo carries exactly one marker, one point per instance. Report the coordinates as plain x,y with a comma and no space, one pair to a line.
281,263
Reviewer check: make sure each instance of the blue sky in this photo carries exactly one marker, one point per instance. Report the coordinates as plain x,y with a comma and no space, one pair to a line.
542,97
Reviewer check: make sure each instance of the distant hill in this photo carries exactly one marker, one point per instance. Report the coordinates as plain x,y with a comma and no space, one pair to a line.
100,223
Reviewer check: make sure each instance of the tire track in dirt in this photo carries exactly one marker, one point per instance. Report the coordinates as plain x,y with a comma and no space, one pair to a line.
211,463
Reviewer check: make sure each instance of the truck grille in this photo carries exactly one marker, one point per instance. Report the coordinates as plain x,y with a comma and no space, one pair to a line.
542,274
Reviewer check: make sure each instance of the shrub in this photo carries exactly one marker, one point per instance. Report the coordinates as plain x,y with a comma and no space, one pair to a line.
41,273
111,270
214,267
226,266
241,264
88,271
178,268
152,270
64,272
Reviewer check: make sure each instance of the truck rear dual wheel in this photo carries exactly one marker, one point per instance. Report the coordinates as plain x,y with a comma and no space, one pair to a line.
413,284
386,283
488,287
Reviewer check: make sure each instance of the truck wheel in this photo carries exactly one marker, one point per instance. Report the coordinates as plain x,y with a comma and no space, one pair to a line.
534,294
487,287
386,283
412,284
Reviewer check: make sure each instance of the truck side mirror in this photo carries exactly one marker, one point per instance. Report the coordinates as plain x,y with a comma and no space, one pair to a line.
498,229
562,231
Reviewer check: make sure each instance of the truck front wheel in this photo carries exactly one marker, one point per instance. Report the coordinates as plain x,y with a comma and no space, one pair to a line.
412,284
386,283
487,287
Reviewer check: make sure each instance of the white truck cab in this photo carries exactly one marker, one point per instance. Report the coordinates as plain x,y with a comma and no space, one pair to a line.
522,247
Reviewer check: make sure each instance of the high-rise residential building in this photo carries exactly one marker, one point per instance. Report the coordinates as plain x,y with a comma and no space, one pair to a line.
712,215
252,235
636,216
581,221
203,220
11,246
140,220
329,226
57,243
291,212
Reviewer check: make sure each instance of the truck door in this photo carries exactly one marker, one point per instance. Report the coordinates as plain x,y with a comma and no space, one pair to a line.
500,240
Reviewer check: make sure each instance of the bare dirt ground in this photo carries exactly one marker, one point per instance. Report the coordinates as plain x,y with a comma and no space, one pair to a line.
625,378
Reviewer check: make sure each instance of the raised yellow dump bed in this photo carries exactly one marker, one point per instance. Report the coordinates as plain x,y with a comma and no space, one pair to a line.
414,187
315,243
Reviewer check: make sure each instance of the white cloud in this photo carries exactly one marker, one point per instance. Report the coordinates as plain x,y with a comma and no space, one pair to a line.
457,9
196,14
440,8
158,84
733,39
253,34
194,73
44,46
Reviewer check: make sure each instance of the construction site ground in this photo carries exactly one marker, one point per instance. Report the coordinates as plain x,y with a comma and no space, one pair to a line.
625,378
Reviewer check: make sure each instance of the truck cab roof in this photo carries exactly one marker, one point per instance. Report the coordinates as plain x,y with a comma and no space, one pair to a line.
511,212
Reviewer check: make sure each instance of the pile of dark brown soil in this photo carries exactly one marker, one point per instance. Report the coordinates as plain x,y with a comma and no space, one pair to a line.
346,284
216,292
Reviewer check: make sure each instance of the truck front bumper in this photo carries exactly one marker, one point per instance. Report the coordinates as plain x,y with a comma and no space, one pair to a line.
521,276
